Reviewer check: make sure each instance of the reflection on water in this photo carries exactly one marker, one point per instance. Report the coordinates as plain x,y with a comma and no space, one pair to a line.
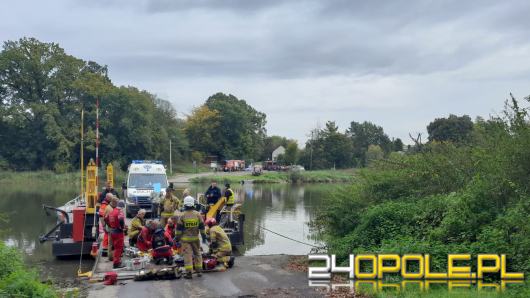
27,221
282,208
285,209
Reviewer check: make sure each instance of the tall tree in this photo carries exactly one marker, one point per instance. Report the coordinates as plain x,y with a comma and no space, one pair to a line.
397,145
451,129
366,134
42,92
328,148
291,153
201,127
241,131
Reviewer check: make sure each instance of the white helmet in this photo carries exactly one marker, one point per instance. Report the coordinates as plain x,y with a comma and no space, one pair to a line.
189,201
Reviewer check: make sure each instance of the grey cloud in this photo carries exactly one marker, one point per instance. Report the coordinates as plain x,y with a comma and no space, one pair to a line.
290,39
233,5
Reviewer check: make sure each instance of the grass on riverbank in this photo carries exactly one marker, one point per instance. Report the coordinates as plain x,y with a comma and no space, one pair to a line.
16,280
38,178
326,176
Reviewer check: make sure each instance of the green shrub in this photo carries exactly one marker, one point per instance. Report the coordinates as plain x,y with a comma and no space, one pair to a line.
466,198
18,281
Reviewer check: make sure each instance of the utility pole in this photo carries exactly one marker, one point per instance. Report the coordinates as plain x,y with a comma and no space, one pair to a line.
170,161
311,153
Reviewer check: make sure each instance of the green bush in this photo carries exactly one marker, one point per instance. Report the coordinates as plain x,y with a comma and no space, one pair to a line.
446,198
16,280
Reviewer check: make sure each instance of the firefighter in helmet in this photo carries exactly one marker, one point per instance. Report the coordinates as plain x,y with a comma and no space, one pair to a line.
189,225
220,245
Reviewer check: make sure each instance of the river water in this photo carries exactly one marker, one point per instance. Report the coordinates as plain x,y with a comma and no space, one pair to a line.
282,208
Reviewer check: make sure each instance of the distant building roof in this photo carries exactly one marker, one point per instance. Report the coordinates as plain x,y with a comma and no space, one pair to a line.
277,152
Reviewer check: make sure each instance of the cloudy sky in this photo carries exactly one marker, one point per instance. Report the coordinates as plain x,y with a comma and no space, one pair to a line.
399,64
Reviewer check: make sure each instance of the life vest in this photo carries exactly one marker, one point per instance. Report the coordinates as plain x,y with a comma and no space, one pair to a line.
102,209
231,199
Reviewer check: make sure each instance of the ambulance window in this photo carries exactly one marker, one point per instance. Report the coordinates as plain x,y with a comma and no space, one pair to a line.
147,180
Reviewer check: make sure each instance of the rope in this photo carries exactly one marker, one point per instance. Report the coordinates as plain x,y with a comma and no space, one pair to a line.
286,237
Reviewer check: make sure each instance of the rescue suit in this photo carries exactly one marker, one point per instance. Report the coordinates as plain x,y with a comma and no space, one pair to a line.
144,239
117,228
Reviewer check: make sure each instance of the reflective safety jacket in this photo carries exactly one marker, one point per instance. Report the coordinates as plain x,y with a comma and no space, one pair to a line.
189,225
170,205
136,226
219,240
116,221
230,199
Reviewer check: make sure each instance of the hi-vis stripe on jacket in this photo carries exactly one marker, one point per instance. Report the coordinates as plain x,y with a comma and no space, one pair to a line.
189,225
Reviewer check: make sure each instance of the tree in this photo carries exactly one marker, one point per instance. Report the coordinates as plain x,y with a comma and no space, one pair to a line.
374,153
270,143
241,128
366,134
37,87
201,127
337,147
328,148
42,92
397,145
451,129
291,153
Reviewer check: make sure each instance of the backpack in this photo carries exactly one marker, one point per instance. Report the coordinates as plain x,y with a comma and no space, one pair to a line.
158,238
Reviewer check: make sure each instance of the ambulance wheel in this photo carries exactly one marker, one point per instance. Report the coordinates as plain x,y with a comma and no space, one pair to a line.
231,262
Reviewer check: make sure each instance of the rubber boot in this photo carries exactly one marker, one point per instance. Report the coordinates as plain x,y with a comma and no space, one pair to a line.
178,273
188,275
199,273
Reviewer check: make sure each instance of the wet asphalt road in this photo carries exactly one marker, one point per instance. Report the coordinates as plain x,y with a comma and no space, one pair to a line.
251,276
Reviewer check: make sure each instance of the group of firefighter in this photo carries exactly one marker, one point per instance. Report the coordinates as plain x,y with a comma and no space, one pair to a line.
181,227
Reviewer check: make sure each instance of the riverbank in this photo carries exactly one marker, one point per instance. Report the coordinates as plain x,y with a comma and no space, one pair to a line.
45,177
325,176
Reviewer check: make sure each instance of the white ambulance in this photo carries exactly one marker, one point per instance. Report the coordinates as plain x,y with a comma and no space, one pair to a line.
146,185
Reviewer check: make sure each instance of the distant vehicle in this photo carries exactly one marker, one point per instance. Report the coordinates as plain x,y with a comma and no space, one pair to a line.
146,183
257,170
297,168
270,165
233,165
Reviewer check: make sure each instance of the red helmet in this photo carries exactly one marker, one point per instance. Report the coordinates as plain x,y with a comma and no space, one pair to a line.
210,222
209,264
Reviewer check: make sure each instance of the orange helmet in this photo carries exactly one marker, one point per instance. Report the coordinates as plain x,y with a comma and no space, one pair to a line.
210,222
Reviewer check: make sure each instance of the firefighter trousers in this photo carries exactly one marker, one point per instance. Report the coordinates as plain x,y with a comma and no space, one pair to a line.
192,255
